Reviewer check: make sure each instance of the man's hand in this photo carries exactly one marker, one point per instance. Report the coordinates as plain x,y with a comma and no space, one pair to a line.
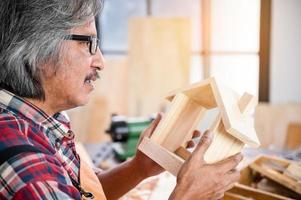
199,180
147,166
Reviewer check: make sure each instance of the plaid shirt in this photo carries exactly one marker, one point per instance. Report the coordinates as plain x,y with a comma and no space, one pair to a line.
32,175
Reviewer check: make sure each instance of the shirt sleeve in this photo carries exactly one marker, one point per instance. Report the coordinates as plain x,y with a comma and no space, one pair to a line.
31,175
46,190
35,176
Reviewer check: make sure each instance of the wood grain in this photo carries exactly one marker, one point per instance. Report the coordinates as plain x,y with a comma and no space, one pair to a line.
159,61
264,169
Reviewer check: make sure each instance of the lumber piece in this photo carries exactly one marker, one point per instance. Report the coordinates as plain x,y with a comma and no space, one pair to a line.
163,157
293,138
183,153
293,171
221,136
252,193
263,166
159,60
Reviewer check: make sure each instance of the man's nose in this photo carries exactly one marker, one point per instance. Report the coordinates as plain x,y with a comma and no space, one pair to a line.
98,60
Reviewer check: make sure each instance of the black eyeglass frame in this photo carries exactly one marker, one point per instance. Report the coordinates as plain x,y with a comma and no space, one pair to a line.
93,45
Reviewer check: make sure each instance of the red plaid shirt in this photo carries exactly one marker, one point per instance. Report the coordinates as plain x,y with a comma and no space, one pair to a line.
30,175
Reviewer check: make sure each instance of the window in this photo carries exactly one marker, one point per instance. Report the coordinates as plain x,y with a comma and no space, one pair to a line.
114,23
225,36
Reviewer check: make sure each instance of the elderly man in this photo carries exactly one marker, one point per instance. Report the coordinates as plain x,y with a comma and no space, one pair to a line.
49,58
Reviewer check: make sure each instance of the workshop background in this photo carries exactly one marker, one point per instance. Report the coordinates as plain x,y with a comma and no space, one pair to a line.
154,46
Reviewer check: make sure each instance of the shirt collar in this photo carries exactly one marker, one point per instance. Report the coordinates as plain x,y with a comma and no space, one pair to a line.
58,124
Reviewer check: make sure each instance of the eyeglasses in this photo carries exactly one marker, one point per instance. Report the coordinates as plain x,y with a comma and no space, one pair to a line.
93,41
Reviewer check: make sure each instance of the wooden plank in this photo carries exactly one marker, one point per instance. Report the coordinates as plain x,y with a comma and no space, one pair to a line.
252,193
293,171
254,179
293,138
200,92
222,146
264,50
183,126
222,138
209,93
271,186
168,160
206,30
178,124
113,84
272,121
183,153
167,122
159,61
237,124
263,167
247,103
246,176
233,196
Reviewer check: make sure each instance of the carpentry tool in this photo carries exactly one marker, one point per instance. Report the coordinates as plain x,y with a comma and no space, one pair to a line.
125,133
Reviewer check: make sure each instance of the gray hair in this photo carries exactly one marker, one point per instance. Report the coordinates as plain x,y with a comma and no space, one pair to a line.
31,34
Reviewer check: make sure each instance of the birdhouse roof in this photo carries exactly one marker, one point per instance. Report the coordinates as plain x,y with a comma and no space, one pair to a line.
211,94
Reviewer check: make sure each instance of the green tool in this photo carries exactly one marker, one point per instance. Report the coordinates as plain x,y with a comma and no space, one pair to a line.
125,133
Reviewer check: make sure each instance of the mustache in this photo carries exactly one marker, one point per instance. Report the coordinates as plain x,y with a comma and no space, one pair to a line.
94,75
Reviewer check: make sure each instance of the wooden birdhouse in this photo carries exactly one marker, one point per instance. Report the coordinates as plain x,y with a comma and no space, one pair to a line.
233,127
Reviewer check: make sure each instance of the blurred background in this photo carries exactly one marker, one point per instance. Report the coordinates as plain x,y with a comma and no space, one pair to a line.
154,46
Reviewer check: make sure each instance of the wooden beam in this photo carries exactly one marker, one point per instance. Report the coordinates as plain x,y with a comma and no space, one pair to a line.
168,160
293,138
206,32
264,50
149,7
252,193
221,136
264,165
173,131
159,60
183,153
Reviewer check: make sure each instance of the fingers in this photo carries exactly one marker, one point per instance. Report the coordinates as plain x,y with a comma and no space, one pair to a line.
148,132
229,163
219,196
196,134
191,143
232,179
227,183
203,145
230,186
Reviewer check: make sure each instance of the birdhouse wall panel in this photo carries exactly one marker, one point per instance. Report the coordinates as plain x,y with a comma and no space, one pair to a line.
222,146
168,160
183,126
178,106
